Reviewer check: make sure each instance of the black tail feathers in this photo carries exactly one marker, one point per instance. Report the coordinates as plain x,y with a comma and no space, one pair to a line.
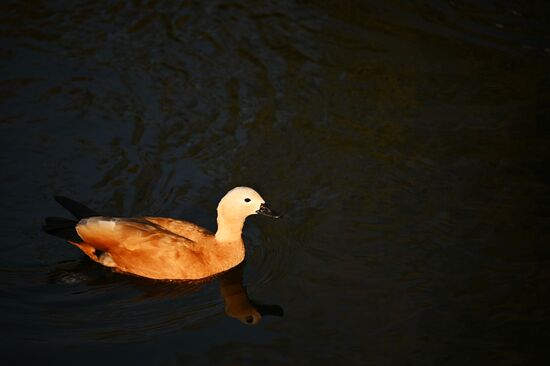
76,208
65,228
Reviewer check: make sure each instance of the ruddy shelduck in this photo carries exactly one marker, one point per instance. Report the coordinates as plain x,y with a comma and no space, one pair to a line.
159,247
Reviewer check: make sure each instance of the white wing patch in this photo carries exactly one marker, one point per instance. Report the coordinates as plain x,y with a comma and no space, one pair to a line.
103,223
106,224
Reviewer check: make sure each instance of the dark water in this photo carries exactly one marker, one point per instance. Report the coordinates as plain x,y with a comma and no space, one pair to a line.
406,142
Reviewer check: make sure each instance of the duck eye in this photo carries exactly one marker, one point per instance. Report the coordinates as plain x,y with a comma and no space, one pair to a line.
247,199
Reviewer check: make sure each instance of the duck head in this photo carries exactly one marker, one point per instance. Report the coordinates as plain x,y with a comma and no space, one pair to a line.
241,202
235,207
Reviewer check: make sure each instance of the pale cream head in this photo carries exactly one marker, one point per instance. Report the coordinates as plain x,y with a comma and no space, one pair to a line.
234,208
239,203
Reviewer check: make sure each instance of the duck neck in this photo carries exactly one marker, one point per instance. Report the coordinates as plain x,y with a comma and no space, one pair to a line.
229,230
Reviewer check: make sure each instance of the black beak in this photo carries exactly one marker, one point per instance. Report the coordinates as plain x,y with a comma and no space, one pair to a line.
266,211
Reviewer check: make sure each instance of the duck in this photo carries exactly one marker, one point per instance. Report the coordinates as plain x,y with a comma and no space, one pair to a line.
162,248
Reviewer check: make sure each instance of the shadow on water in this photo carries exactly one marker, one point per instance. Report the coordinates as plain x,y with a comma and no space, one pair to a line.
88,276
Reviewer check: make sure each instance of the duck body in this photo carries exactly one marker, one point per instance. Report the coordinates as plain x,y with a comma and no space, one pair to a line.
159,247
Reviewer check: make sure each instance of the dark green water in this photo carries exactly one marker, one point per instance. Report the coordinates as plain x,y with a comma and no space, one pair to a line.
407,144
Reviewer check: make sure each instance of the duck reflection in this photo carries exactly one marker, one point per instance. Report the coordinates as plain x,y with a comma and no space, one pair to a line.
237,303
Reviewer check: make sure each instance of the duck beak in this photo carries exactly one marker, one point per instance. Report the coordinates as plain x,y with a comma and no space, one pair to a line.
266,211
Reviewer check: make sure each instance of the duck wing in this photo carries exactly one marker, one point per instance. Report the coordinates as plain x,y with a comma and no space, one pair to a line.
181,227
140,246
130,233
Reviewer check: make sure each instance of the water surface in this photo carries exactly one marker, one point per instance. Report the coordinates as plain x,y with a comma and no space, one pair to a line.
405,142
